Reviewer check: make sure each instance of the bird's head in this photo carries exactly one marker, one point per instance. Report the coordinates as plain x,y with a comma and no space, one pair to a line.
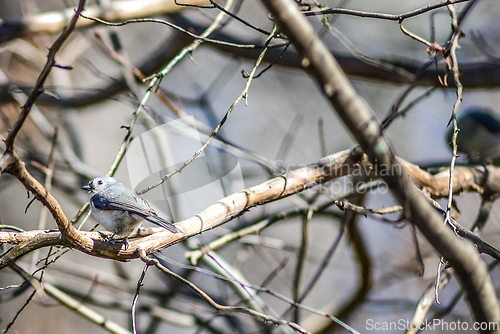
100,184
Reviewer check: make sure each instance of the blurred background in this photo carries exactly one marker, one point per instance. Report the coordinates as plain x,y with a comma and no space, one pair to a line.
286,124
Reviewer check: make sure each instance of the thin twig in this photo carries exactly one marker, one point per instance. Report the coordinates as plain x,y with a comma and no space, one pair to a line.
414,36
13,321
201,38
136,297
48,187
379,63
236,17
38,89
456,77
382,16
271,63
290,136
345,205
300,263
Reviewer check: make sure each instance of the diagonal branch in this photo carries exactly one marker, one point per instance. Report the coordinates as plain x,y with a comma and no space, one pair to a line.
364,126
38,90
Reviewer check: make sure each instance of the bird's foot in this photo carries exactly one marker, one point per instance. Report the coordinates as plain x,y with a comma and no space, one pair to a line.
111,239
106,236
123,241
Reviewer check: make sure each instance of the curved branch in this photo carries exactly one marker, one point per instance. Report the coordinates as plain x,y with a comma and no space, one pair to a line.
382,16
228,208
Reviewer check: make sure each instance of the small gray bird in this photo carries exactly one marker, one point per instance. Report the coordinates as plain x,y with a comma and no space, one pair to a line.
479,135
119,209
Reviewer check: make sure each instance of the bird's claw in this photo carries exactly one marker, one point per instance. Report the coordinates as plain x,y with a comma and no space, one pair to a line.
111,239
122,241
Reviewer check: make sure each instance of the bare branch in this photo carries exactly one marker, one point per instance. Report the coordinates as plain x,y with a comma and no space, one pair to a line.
467,179
382,16
364,126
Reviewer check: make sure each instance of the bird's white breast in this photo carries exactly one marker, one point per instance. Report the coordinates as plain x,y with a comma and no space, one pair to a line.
122,223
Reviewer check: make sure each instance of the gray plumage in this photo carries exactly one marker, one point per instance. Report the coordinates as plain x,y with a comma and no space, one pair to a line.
479,135
119,209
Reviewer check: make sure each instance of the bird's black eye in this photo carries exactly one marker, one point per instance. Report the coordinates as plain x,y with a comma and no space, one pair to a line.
100,182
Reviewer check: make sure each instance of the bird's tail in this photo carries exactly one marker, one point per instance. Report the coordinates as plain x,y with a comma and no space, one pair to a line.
163,223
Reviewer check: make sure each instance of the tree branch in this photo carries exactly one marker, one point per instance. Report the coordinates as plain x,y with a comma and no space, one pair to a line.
349,162
361,121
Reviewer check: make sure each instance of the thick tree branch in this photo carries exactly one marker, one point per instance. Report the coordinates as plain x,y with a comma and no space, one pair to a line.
350,162
328,168
361,121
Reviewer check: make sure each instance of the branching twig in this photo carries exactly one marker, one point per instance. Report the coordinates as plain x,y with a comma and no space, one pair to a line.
382,16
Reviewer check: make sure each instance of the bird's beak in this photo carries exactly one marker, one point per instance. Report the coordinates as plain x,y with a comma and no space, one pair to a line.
86,187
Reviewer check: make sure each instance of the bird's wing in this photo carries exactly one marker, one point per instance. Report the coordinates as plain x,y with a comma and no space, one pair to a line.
487,120
128,201
111,199
161,222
